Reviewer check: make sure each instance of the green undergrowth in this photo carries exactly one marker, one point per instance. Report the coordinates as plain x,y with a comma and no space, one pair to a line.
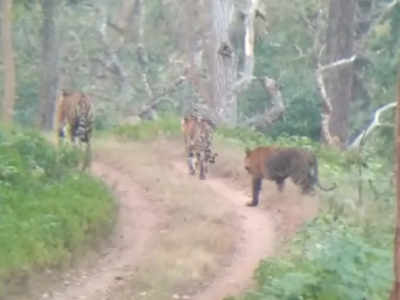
167,125
330,259
48,208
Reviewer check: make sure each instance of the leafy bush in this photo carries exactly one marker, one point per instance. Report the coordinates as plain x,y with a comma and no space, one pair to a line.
47,208
331,259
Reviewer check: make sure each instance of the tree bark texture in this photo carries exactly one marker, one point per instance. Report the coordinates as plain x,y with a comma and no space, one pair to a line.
224,67
339,81
8,61
49,74
245,18
395,294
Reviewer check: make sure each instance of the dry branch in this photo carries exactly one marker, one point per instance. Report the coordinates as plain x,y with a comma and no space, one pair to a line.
358,141
275,111
386,12
327,103
156,100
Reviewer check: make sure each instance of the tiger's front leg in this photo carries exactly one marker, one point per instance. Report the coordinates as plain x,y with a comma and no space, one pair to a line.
256,188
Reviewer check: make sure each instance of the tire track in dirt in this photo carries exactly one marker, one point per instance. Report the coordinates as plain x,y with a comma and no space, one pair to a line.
257,240
132,232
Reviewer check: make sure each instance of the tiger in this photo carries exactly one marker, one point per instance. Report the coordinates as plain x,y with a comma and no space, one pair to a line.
277,164
198,134
74,117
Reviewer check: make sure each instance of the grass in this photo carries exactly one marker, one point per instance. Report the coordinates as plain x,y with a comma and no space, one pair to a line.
167,125
48,209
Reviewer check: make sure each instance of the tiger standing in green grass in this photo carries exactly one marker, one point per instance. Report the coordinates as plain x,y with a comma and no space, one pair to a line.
74,117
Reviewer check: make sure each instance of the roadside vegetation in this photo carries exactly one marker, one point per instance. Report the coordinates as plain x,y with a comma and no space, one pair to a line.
48,208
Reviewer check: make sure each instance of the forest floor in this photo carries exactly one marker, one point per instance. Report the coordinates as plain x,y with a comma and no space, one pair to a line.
176,237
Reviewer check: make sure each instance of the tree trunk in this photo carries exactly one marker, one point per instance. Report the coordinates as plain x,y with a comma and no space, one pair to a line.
224,66
49,75
220,49
395,295
8,61
339,81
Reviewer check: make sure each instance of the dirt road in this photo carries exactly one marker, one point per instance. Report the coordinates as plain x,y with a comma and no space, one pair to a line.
176,237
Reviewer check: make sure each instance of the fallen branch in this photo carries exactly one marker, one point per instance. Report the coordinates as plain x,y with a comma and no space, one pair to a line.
359,140
278,107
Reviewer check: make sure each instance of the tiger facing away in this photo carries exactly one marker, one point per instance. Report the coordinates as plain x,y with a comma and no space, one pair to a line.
198,133
277,164
75,118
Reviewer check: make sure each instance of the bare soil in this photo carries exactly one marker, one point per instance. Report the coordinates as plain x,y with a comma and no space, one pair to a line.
177,237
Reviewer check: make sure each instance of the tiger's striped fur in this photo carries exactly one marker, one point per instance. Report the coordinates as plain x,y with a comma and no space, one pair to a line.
198,134
75,118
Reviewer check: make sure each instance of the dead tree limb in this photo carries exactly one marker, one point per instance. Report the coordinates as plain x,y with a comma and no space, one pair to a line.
326,100
359,140
275,111
386,12
156,100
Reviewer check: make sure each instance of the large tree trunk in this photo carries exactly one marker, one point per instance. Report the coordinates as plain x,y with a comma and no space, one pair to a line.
8,61
220,49
49,74
224,66
339,80
395,295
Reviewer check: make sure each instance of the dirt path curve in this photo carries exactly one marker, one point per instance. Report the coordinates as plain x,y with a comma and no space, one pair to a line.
131,234
134,235
256,241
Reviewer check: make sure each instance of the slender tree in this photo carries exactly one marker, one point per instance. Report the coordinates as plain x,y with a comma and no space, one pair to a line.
49,74
8,61
395,295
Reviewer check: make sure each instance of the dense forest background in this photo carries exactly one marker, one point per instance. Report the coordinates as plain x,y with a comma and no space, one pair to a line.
140,58
295,72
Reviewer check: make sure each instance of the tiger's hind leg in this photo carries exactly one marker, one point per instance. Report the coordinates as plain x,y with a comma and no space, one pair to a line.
191,163
202,166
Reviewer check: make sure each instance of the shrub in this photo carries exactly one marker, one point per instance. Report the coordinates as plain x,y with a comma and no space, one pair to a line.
47,207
